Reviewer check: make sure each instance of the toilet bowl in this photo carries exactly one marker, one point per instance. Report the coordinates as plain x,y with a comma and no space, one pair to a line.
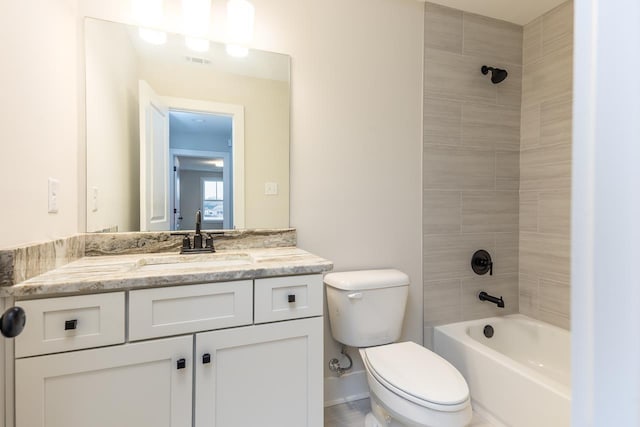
412,386
409,385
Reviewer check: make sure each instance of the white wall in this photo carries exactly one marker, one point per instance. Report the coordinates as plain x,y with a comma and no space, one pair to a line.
39,121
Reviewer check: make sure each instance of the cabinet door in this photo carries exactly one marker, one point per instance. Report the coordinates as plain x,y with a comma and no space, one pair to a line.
265,375
134,385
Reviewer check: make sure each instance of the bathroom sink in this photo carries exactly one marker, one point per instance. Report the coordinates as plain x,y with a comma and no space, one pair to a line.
193,262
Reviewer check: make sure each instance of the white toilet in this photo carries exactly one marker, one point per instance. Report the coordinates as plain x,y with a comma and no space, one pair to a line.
408,384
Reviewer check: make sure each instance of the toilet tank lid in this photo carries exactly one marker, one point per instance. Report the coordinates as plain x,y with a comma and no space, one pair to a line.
367,279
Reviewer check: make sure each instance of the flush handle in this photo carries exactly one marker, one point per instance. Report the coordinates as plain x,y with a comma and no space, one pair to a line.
355,295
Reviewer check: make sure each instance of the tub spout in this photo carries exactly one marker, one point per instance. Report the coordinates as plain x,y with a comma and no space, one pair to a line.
483,296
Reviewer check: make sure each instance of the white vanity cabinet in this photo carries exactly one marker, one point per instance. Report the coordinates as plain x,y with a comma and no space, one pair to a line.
134,385
263,375
188,355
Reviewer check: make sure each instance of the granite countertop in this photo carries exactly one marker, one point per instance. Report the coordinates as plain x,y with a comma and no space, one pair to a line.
136,271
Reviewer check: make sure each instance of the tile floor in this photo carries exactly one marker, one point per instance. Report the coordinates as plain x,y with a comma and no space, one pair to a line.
351,414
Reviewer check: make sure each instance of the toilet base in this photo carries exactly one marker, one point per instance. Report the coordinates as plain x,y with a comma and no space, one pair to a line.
370,421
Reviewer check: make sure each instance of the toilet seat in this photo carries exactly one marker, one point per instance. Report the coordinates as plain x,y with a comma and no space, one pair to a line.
418,375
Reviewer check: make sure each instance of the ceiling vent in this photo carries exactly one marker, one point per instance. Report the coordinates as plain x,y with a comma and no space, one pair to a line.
195,60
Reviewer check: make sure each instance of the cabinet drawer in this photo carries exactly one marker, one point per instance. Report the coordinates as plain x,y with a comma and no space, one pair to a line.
184,309
71,323
282,298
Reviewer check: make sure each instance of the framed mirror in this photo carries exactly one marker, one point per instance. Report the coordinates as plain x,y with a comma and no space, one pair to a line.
171,131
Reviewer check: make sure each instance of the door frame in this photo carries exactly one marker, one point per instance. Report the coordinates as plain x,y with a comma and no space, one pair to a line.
179,152
236,112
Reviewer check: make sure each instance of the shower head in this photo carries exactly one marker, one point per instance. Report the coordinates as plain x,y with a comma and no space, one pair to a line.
497,74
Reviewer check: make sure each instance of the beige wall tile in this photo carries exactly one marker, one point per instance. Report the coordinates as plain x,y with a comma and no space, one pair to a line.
544,253
442,121
505,257
507,170
532,158
491,126
528,295
510,90
530,126
442,302
532,41
492,39
449,256
556,120
545,168
504,286
548,77
554,212
452,76
442,212
489,211
442,28
472,142
555,297
548,176
446,168
557,28
529,211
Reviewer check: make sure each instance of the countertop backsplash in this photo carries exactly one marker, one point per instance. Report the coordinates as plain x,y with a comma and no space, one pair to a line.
23,263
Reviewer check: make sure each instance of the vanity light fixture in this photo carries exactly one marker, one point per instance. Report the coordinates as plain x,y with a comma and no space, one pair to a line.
195,20
240,19
149,14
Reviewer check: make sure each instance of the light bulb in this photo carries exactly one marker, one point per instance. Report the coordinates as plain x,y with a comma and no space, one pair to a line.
195,17
240,19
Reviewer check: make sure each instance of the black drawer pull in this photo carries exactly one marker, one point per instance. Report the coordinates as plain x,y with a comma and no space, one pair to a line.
206,358
182,363
291,298
70,324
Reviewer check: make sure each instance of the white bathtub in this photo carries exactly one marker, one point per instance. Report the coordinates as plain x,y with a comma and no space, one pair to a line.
520,377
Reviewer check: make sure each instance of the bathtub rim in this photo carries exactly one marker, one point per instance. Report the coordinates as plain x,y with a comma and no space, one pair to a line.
458,331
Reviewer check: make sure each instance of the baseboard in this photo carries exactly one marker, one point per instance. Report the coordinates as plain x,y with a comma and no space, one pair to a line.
349,387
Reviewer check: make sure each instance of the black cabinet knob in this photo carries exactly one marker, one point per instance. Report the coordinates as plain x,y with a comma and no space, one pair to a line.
182,363
12,322
70,324
291,298
206,358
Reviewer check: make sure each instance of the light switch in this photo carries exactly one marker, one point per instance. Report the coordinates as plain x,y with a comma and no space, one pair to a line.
54,189
270,188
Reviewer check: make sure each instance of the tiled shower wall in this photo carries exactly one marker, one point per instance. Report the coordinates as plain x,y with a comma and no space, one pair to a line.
471,164
545,167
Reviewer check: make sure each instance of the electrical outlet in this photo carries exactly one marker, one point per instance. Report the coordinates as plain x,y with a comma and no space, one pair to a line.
54,190
270,188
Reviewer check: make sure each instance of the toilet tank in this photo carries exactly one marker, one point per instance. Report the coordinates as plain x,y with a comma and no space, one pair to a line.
366,307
